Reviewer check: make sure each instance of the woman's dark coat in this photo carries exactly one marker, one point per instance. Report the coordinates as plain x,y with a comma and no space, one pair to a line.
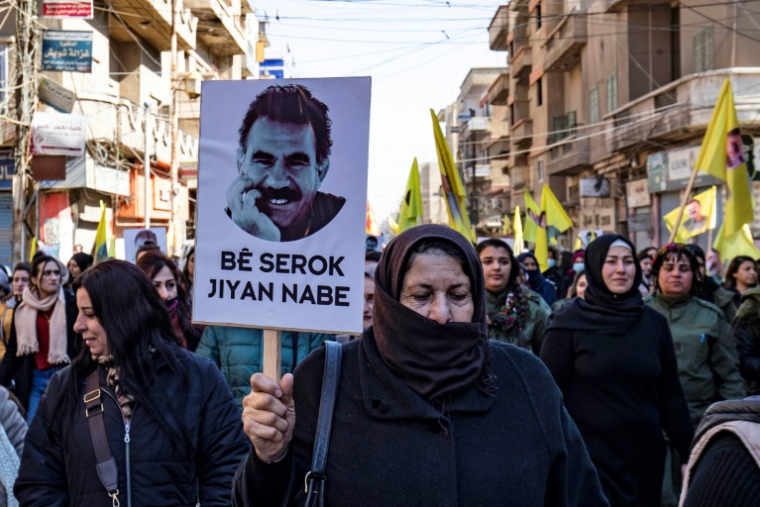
22,368
747,332
58,463
389,447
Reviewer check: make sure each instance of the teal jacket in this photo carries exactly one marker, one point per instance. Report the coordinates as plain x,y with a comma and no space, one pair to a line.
238,352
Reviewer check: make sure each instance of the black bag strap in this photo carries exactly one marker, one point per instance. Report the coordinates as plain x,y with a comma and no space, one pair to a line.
315,479
106,467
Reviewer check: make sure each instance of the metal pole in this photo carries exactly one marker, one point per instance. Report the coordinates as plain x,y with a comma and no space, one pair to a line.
26,104
146,166
173,247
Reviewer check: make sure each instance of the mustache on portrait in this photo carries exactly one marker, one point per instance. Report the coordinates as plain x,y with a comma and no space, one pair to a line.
290,194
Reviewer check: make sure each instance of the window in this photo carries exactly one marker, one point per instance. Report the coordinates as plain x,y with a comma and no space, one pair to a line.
539,92
3,77
704,50
612,92
593,105
512,115
540,170
538,17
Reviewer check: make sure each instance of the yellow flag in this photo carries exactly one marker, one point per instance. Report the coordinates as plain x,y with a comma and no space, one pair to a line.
519,244
699,218
33,249
101,236
555,214
371,226
532,217
722,155
411,206
393,224
739,243
507,227
452,185
578,243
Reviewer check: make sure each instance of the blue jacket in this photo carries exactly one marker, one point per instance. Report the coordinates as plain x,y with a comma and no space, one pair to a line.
238,352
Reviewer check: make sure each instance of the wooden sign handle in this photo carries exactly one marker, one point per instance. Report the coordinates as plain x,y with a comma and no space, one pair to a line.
273,354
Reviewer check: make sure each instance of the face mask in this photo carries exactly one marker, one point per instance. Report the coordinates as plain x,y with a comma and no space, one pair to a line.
552,263
578,266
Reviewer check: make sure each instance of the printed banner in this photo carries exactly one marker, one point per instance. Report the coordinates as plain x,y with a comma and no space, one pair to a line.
56,96
59,134
282,195
67,9
67,50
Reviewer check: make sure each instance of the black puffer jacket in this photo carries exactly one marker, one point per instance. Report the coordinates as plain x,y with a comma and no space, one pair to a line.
747,332
58,463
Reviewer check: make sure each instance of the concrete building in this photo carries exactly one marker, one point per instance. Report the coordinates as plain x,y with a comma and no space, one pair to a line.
609,101
131,76
433,203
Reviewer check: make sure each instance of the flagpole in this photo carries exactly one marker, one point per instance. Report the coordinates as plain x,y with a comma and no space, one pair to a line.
684,201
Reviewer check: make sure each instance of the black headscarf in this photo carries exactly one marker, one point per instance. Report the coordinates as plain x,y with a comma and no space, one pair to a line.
433,359
536,280
602,311
83,260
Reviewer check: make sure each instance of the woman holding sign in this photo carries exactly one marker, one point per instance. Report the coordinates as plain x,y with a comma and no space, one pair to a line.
428,412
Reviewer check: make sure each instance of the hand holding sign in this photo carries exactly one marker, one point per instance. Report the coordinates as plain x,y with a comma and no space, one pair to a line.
241,202
269,416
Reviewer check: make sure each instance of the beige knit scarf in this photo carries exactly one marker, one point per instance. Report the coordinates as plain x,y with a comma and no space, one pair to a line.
26,325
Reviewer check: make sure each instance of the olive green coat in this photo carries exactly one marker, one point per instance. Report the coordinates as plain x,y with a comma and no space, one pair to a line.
724,299
708,363
534,329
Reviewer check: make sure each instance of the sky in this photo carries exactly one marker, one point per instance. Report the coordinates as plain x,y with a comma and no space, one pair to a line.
417,52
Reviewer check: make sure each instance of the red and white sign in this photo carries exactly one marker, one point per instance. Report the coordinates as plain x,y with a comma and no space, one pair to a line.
67,9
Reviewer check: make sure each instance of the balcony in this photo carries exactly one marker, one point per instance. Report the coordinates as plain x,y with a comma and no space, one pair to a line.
570,157
498,93
521,63
563,46
152,21
613,5
519,178
677,112
516,5
478,170
220,27
522,133
475,128
497,30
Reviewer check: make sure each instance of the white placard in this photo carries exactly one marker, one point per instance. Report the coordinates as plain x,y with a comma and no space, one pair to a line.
59,134
280,237
135,238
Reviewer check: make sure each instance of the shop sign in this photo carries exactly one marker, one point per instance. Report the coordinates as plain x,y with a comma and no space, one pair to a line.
67,9
671,170
59,134
67,50
637,194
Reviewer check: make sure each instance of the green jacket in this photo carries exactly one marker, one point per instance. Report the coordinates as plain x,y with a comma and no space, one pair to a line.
707,359
238,352
534,329
724,299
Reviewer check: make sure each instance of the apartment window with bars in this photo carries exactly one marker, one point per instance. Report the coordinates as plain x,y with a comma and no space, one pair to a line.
704,50
563,126
612,92
593,105
4,95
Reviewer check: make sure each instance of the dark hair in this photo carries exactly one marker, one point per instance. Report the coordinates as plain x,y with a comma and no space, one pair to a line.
680,251
137,327
574,286
697,251
644,257
22,266
185,273
567,261
521,297
734,266
438,247
643,254
153,262
291,104
148,246
373,256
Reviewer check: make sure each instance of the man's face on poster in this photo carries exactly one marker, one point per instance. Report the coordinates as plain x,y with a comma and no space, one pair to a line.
734,150
694,208
281,162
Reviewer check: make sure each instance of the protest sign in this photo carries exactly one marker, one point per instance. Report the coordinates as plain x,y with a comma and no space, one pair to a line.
135,238
282,192
59,134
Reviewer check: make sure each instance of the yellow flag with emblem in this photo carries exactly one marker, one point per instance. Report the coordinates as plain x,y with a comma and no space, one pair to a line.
101,236
532,217
519,244
411,206
701,211
737,244
453,188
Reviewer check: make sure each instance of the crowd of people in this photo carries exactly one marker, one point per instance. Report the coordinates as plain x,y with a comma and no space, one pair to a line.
613,377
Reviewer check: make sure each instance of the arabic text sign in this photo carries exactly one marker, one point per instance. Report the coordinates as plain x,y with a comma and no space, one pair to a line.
67,50
66,9
55,95
281,224
59,134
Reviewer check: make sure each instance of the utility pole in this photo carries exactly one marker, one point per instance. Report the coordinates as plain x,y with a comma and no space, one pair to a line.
146,165
26,103
173,248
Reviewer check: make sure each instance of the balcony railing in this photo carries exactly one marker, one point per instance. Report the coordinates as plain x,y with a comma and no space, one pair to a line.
497,30
570,157
152,20
565,42
498,93
521,63
221,27
519,178
682,108
522,133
